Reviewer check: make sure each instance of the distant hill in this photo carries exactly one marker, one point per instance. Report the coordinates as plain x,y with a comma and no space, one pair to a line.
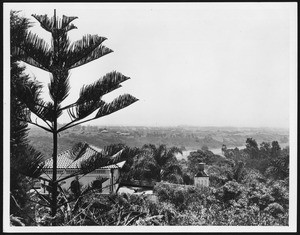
185,137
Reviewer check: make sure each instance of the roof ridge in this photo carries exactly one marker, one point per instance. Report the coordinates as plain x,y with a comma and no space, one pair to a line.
93,148
58,155
61,153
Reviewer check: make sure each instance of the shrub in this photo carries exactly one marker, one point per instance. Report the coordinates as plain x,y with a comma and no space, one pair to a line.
181,195
274,209
230,191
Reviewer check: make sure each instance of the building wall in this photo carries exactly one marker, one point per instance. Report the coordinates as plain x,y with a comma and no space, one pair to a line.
107,186
201,181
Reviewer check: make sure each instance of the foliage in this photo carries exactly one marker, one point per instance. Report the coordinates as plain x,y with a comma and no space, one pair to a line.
24,159
254,201
269,159
279,165
158,163
204,156
180,195
58,59
252,148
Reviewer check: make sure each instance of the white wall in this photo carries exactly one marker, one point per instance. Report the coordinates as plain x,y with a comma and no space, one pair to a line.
201,181
89,178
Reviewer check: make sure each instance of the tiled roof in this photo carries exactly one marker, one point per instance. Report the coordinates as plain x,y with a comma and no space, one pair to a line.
65,160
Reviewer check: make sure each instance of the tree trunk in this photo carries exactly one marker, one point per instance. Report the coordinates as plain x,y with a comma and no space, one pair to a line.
54,176
54,156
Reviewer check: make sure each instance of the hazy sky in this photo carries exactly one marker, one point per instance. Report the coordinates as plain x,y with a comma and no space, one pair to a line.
189,63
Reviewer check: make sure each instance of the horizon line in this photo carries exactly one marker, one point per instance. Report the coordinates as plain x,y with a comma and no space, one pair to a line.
180,125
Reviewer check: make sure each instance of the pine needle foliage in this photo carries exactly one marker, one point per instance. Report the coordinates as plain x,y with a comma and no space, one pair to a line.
58,59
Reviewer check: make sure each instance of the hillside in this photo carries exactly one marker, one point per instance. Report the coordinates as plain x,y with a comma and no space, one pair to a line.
188,138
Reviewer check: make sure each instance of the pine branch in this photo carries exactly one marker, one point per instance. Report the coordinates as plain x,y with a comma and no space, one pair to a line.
22,55
29,94
26,120
48,23
96,161
67,177
35,51
59,86
41,204
32,165
84,109
117,104
77,151
90,96
42,178
86,50
104,85
65,23
68,106
71,124
99,160
88,192
43,197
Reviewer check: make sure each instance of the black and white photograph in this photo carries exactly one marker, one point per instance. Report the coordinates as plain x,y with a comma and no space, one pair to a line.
150,117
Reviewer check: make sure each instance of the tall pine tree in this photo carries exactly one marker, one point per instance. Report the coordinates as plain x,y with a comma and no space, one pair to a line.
23,157
58,59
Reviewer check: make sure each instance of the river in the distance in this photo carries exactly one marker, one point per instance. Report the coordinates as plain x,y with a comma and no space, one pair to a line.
216,151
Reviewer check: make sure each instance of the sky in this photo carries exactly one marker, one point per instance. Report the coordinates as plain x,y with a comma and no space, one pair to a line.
193,64
200,64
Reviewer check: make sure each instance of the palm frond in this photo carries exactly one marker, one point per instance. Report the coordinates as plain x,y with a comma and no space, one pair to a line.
85,50
117,157
114,148
117,104
125,152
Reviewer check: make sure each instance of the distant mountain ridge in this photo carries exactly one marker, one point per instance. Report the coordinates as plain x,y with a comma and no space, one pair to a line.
188,138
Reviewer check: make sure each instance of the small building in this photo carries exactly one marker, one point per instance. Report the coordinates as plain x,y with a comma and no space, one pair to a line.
107,176
201,179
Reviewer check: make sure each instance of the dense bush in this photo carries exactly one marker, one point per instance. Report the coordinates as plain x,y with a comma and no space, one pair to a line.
238,196
181,195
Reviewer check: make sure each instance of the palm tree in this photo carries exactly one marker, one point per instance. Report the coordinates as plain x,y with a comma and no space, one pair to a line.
58,59
159,163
